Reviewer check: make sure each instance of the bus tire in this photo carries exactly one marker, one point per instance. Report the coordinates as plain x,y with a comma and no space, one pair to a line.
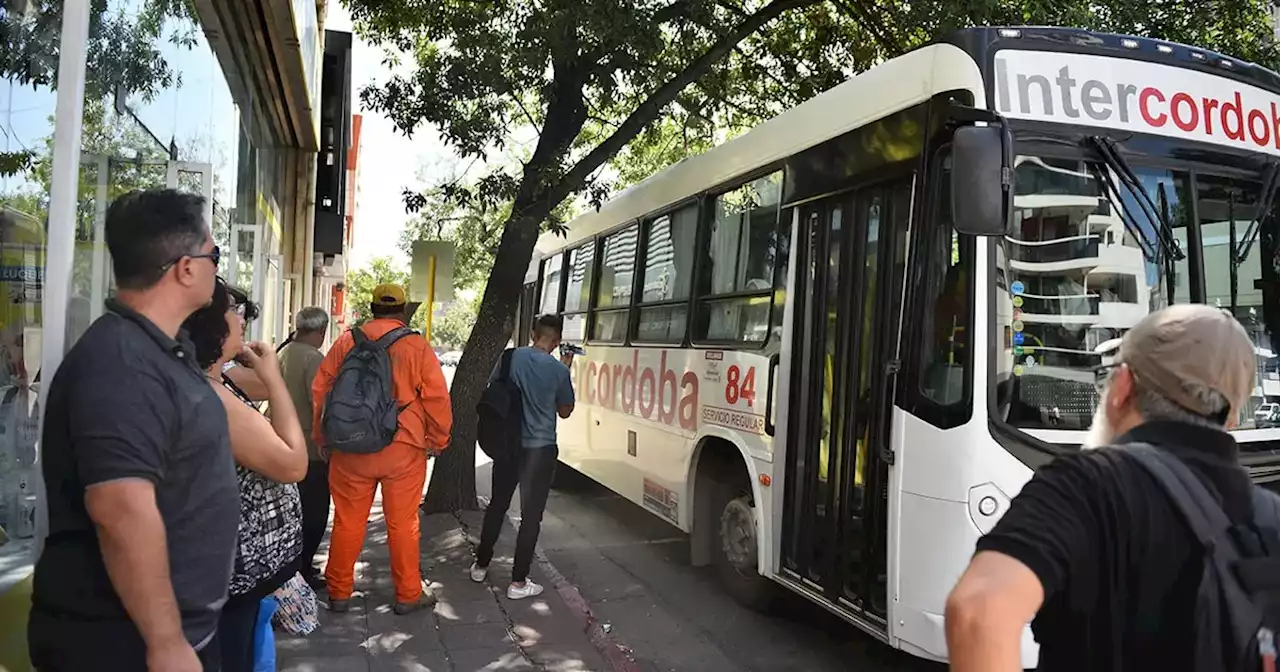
737,553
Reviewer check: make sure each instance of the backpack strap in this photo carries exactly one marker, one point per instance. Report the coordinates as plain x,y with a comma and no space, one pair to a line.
1198,506
1259,570
1266,519
389,339
1228,615
358,335
504,373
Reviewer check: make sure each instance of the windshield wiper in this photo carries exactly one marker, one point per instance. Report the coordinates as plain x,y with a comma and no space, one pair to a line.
1265,199
1165,243
1170,272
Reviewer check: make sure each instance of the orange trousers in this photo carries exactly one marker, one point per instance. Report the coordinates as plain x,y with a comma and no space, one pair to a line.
401,470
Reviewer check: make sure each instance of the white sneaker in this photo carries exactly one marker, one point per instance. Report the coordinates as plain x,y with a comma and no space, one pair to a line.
478,573
529,589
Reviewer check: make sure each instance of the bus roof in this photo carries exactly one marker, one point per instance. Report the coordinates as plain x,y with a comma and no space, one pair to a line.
887,88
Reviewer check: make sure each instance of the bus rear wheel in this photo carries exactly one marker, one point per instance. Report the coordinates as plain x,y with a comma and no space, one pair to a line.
737,555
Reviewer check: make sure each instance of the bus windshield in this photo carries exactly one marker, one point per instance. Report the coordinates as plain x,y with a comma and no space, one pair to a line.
1072,275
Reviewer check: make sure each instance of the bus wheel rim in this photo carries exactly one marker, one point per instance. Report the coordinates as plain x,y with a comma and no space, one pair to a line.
738,534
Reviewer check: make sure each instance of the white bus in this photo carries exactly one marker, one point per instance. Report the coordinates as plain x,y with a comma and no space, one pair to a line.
832,349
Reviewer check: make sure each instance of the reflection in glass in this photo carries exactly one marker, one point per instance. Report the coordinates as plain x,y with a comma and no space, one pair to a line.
27,106
617,269
743,237
668,256
945,357
1073,276
831,309
550,302
1239,276
662,324
581,263
611,326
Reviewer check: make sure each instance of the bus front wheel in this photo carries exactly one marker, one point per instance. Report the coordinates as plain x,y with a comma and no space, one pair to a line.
737,556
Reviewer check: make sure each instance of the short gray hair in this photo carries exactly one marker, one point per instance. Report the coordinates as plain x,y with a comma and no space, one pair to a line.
1152,406
311,320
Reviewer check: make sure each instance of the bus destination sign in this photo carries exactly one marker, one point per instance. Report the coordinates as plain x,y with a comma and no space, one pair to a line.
1131,95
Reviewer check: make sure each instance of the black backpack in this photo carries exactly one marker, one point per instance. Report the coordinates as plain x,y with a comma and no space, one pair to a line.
500,414
1238,606
360,411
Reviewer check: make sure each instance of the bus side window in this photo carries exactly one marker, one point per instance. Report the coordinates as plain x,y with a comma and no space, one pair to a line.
946,308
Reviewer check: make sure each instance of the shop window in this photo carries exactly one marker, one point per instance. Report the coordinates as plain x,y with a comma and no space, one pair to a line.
27,111
736,285
614,287
667,276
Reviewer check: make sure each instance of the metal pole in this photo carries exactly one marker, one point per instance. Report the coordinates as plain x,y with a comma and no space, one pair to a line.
64,188
431,294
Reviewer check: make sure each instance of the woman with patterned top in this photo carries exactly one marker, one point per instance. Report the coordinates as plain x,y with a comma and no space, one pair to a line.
271,457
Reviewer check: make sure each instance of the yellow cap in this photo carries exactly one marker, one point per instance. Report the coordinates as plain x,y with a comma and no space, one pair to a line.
389,295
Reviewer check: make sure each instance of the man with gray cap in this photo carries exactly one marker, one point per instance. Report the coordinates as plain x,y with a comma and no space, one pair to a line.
1095,549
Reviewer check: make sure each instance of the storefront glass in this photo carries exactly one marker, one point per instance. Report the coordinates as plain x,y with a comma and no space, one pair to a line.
171,122
158,111
31,32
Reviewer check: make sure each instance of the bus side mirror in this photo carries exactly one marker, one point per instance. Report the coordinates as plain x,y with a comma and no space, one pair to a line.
982,180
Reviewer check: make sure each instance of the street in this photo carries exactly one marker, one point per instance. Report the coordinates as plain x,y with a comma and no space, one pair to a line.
634,571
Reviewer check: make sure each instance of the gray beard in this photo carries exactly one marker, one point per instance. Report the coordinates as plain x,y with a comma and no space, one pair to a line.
1100,432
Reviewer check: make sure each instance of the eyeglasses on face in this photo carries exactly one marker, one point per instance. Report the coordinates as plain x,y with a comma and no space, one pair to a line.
214,255
1101,374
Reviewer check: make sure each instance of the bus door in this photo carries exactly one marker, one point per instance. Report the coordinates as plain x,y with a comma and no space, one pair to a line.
850,251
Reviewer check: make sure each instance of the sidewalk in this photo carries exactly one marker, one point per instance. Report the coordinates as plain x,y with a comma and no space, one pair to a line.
473,628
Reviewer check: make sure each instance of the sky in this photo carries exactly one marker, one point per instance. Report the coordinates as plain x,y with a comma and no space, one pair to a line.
389,161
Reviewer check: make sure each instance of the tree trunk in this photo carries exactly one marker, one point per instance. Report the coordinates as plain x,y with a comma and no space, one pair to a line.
453,482
453,485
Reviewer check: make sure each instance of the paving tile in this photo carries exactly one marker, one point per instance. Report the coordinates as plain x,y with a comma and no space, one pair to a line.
472,612
317,663
455,590
567,659
557,632
482,636
467,631
396,642
490,660
427,661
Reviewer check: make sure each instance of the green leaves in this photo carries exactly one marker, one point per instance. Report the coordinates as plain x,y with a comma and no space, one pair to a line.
122,48
12,163
360,284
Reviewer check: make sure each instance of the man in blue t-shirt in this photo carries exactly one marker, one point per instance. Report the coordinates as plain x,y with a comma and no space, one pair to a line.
545,391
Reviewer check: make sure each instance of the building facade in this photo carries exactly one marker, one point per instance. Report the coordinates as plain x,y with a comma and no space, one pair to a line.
114,95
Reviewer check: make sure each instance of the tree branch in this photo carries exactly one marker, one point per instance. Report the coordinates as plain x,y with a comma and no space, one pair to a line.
647,111
760,115
525,110
873,25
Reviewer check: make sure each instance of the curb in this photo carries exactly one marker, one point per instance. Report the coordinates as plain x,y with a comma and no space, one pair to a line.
615,654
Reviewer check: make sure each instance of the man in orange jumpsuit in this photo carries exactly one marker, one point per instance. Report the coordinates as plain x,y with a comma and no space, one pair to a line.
401,468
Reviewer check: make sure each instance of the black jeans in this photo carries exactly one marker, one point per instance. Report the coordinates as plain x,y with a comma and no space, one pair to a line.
59,643
314,490
236,630
532,469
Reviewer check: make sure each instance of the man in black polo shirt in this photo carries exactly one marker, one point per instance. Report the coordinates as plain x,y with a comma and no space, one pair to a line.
142,494
1092,547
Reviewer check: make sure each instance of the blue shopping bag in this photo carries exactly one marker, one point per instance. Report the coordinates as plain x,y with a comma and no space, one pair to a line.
264,638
